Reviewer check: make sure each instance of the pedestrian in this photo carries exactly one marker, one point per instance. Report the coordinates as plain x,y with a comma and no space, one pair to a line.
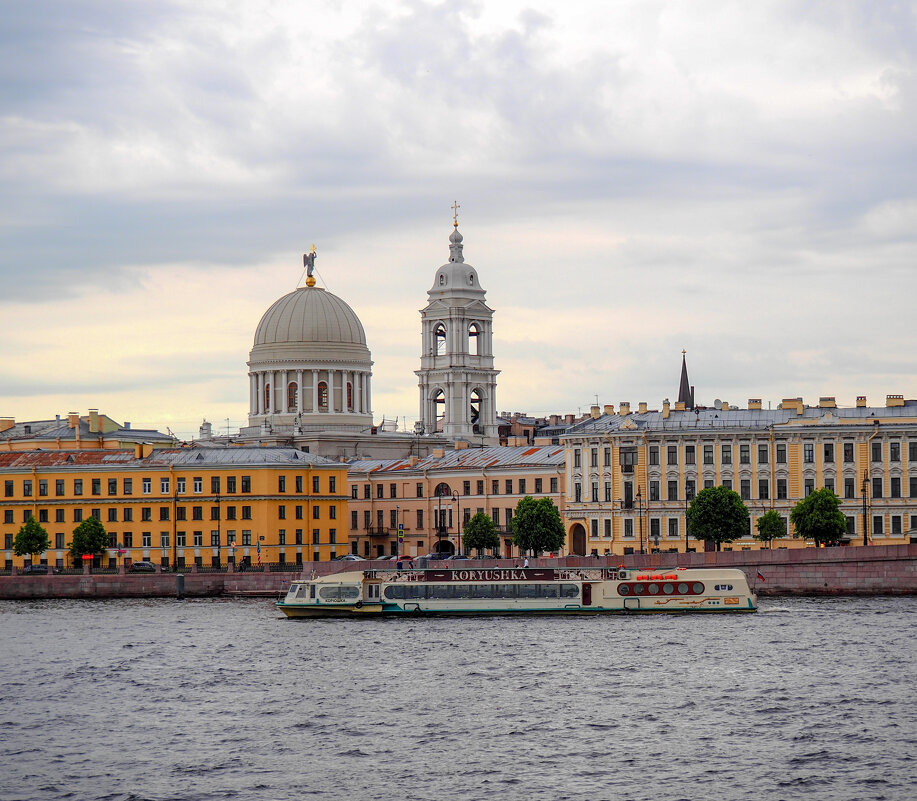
526,562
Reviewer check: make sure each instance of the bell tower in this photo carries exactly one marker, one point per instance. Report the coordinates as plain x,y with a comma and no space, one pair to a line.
457,379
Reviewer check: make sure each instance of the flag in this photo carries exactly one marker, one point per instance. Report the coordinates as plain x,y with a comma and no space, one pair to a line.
760,577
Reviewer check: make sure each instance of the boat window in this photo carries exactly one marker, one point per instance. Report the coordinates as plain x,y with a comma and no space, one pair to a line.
697,587
292,591
465,592
302,590
653,589
668,589
723,587
312,591
344,593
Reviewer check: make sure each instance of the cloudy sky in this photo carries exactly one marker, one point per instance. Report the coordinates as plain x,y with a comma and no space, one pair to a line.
735,179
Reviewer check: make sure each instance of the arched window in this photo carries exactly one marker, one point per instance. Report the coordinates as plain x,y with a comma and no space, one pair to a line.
292,396
439,334
474,338
442,280
477,405
267,398
322,396
443,490
439,410
349,397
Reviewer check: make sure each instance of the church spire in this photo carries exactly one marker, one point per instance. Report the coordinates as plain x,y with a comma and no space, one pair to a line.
455,238
685,390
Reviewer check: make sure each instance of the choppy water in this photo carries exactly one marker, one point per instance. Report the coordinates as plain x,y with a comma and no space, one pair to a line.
213,699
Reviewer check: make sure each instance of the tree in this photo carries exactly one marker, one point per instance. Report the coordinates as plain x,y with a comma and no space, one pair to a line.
818,517
480,533
537,526
89,537
771,526
32,539
717,515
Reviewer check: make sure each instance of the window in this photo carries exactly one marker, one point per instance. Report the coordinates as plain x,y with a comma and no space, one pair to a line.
577,492
380,491
246,484
198,484
180,513
808,452
180,485
494,487
726,454
894,452
654,490
876,451
655,532
628,526
128,515
230,512
896,525
466,488
673,527
43,515
577,458
197,512
877,488
58,516
745,489
8,518
553,485
322,396
27,489
607,457
763,453
146,485
809,485
912,451
744,454
848,452
214,512
878,527
316,536
419,519
690,489
180,539
215,539
59,541
246,513
298,512
479,488
42,487
708,483
828,451
281,483
539,483
654,455
246,537
146,539
781,453
912,489
509,486
708,454
59,487
113,515
521,486
849,491
164,486
316,512
298,536
299,486
8,489
763,489
594,458
895,487
230,484
332,512
146,514
292,396
671,455
689,454
595,491
673,491
607,492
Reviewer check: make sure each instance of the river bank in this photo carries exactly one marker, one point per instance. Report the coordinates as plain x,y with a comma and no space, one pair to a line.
853,571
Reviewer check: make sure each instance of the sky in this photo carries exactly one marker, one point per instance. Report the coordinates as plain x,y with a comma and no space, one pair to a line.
738,180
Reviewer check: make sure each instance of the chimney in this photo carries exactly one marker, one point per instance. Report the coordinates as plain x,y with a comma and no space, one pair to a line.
460,445
206,430
127,425
93,421
665,409
568,419
6,423
679,406
624,407
554,419
827,402
894,400
412,461
594,412
861,401
138,450
73,419
609,409
642,407
754,403
438,453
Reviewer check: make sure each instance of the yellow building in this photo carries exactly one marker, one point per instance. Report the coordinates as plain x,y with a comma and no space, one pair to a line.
432,499
209,506
630,475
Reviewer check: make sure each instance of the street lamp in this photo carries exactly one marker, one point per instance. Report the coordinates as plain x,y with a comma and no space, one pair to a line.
640,517
397,528
865,508
458,522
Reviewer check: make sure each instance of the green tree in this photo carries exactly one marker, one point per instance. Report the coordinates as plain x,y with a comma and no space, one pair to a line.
89,537
31,539
771,526
818,517
480,533
537,526
717,515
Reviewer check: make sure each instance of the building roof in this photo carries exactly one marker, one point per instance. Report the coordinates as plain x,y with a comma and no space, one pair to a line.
59,429
164,457
703,419
309,314
469,459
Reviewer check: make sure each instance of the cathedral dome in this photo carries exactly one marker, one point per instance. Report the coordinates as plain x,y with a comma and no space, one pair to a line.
309,315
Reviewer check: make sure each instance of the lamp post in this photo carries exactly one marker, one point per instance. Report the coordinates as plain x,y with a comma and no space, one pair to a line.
865,509
640,516
458,522
686,522
397,528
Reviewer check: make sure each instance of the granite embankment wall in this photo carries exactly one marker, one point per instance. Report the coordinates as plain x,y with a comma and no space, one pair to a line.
872,570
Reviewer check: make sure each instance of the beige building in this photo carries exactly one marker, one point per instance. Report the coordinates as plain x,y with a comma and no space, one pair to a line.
630,474
431,499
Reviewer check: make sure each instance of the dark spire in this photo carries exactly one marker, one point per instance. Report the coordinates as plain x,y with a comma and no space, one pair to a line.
685,390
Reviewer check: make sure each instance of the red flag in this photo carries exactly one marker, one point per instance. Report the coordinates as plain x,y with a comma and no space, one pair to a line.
760,577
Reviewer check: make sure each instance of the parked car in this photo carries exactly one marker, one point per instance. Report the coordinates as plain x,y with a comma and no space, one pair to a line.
39,570
142,567
349,557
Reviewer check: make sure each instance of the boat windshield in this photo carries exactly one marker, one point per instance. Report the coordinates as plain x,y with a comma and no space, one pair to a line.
339,593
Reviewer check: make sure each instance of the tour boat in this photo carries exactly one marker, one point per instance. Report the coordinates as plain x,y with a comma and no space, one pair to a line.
500,591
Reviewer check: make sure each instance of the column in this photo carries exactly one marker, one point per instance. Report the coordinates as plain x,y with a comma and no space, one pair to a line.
314,391
283,396
299,391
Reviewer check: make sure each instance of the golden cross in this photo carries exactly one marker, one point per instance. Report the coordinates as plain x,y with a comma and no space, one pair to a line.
455,208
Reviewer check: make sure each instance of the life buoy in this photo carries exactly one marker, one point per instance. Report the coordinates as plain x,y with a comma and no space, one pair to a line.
622,575
358,604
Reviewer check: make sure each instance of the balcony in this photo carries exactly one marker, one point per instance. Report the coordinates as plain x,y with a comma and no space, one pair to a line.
380,531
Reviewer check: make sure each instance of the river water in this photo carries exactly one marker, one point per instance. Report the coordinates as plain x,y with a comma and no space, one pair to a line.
226,699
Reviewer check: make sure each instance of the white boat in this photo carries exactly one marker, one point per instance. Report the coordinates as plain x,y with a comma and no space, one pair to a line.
501,591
